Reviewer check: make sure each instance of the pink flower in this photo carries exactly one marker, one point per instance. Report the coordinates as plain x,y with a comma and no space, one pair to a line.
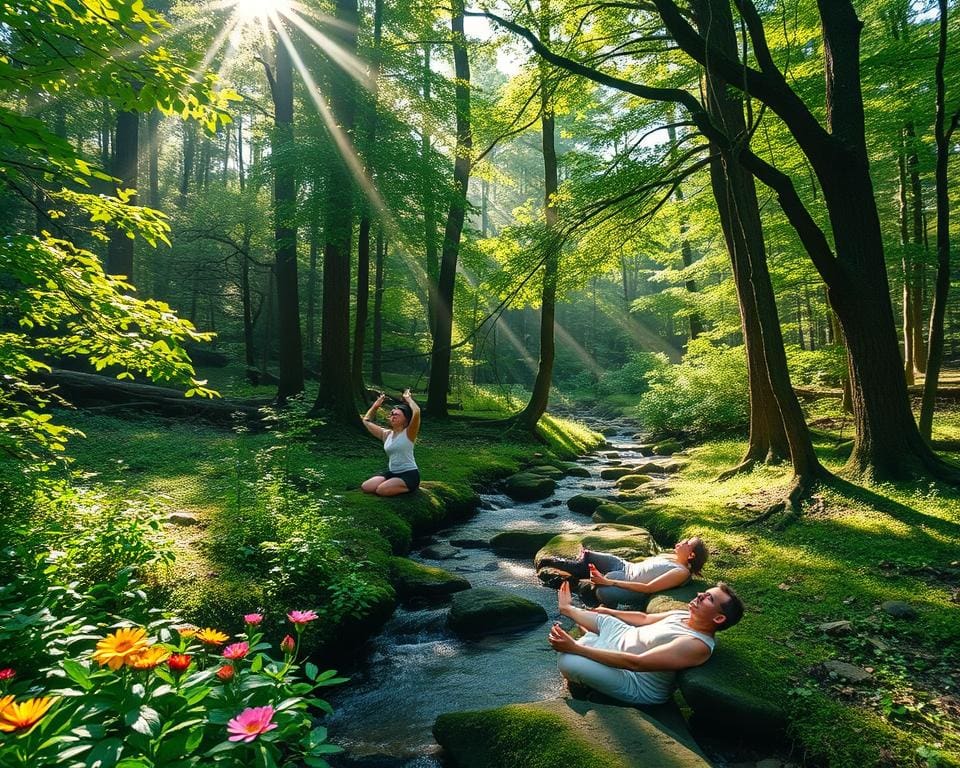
8,673
225,673
253,619
236,651
288,644
302,617
251,723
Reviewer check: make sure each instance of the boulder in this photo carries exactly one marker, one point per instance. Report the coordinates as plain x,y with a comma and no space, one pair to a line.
634,517
545,470
610,431
520,542
549,515
629,482
676,599
615,473
563,733
485,610
673,466
417,581
583,505
182,518
845,671
573,469
729,694
608,512
627,541
610,455
440,551
526,486
667,448
553,577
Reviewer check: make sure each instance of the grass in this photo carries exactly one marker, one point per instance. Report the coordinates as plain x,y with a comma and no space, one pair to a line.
853,548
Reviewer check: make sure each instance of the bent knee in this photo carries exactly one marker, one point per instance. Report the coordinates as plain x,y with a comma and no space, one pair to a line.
567,664
371,485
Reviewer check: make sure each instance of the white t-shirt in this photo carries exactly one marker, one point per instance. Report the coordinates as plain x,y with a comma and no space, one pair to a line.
399,450
651,567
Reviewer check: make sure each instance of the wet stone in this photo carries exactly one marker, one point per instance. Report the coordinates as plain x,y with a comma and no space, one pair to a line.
849,672
439,551
470,543
836,627
551,503
549,515
899,609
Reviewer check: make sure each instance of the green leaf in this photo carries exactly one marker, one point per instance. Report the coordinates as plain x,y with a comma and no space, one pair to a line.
105,754
147,722
77,673
311,670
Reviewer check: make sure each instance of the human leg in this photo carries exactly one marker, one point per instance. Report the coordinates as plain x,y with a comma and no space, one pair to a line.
607,680
371,485
614,596
392,487
603,561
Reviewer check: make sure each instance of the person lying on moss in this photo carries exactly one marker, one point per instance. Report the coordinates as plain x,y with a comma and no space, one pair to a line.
402,474
634,656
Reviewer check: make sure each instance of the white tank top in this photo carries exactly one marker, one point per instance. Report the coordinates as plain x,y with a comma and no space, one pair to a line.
615,635
399,450
651,567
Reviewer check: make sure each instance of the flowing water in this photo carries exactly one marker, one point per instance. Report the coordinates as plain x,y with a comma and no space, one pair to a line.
418,669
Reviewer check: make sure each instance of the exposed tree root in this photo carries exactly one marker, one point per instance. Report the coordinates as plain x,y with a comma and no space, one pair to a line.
790,506
743,467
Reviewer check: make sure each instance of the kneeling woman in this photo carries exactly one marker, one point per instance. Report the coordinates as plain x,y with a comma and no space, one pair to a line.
619,581
402,474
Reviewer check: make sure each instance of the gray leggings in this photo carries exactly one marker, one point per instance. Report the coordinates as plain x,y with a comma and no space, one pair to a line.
603,561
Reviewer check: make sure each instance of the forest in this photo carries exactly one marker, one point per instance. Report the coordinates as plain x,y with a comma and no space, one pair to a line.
622,273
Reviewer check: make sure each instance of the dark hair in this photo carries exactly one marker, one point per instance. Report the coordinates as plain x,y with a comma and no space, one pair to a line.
406,410
698,557
731,609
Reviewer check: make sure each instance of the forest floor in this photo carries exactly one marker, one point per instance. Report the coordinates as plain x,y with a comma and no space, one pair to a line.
852,548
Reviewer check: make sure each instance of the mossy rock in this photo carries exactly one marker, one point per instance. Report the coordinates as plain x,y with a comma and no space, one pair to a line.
583,504
526,486
667,448
573,469
520,542
678,598
615,473
729,694
562,733
545,470
485,610
554,577
395,529
632,518
608,512
416,581
627,541
629,482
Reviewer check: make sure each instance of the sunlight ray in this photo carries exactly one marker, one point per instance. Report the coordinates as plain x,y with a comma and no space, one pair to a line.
567,340
336,53
319,16
217,43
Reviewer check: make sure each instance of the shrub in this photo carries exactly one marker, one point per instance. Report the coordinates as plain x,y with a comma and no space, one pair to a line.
705,394
823,367
634,377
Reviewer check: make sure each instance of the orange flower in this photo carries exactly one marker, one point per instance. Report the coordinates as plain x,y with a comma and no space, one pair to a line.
115,649
5,701
148,658
187,632
212,636
26,714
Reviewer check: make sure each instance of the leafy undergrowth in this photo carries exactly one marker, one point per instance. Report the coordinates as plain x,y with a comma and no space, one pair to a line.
852,549
279,517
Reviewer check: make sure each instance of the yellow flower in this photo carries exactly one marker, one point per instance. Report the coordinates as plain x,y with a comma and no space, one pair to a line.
5,701
115,649
148,658
26,714
186,632
212,636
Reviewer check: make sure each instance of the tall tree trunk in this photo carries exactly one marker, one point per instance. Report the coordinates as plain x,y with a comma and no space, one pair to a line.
906,263
336,389
189,156
777,425
440,353
918,232
938,311
153,156
363,245
540,396
429,201
249,347
695,326
312,293
285,228
240,170
376,365
125,159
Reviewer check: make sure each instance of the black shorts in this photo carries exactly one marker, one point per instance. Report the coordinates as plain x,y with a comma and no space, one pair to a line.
411,477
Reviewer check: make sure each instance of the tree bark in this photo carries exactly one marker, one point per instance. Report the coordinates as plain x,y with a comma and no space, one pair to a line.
312,293
376,364
285,229
336,389
916,253
938,311
429,202
125,161
440,353
540,396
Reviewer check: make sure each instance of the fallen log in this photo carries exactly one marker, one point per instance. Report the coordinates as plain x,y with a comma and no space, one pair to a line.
102,392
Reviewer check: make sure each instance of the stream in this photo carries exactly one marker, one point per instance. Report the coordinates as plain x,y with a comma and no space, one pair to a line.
418,669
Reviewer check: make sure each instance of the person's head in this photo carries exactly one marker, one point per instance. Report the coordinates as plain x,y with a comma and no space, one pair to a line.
693,552
719,607
400,416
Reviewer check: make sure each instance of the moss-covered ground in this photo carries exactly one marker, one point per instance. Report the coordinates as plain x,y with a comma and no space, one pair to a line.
852,548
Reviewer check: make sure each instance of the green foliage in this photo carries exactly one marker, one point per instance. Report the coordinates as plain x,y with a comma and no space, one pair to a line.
704,394
634,377
822,367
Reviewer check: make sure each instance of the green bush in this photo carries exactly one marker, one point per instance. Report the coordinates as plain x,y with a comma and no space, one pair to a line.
705,394
823,367
634,377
